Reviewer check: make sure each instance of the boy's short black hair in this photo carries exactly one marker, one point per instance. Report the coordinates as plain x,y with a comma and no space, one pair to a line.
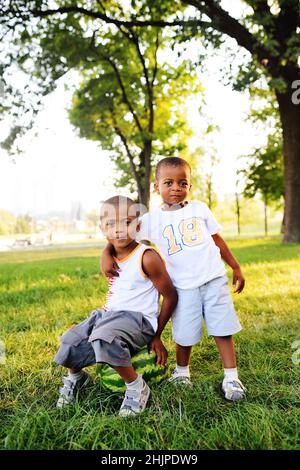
117,202
172,161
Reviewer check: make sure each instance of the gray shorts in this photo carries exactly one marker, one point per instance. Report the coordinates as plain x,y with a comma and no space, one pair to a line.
212,303
106,336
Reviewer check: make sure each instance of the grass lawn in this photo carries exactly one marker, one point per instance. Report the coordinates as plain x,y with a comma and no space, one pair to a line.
43,293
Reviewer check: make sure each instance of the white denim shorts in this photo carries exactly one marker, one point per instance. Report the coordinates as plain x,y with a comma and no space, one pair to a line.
210,302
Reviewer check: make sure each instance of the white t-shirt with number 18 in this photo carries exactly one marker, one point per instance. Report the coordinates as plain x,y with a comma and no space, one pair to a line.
183,238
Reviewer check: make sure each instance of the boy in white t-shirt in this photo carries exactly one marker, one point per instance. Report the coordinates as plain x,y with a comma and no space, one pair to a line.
186,234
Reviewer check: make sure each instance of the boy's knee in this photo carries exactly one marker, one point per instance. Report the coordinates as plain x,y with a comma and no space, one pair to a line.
114,352
223,337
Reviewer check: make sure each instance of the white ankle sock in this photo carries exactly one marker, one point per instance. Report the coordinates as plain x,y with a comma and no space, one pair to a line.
137,384
76,376
231,374
183,370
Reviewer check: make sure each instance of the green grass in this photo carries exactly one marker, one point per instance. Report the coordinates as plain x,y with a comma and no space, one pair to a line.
43,293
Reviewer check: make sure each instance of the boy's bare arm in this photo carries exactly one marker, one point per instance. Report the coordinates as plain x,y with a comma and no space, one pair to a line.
108,265
154,268
227,256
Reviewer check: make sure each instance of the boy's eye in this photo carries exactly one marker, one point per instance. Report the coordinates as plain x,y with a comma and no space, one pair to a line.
184,183
168,183
110,223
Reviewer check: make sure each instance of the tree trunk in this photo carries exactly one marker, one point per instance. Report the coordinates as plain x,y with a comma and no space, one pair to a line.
282,228
266,216
145,198
145,164
290,118
238,212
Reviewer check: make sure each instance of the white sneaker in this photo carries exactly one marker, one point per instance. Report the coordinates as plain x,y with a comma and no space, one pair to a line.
233,390
70,389
179,379
135,401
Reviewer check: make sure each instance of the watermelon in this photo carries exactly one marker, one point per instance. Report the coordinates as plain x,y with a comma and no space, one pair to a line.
144,364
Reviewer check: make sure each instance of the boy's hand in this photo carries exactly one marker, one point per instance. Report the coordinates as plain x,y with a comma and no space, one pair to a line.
238,280
156,345
110,269
227,256
109,266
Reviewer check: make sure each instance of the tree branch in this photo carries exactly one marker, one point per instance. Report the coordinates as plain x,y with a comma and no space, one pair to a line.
226,24
135,40
109,20
120,81
260,6
155,59
288,19
124,94
132,37
129,154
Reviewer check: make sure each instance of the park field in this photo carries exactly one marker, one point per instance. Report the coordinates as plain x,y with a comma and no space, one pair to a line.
43,293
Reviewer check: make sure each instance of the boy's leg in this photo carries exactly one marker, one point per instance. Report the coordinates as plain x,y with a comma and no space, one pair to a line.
75,353
227,352
187,331
231,386
114,340
222,322
72,383
128,374
137,391
183,355
181,373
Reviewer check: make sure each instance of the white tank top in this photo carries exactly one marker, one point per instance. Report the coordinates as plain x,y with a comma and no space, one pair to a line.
133,290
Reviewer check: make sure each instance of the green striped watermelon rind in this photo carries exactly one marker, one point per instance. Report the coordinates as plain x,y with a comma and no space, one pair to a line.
143,362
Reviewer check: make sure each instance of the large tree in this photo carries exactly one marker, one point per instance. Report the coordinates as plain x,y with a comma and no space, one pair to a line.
133,104
268,31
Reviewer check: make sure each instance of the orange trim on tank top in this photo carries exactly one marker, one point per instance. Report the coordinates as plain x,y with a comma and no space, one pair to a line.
128,256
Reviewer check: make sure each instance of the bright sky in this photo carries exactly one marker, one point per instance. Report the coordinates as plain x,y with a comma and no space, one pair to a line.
59,168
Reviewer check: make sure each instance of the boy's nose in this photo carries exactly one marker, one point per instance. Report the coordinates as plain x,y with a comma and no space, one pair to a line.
120,232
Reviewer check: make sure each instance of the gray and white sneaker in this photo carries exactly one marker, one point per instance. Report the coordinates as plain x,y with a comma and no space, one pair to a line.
233,390
179,379
135,401
70,389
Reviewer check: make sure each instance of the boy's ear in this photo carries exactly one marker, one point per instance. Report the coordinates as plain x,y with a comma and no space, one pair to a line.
156,187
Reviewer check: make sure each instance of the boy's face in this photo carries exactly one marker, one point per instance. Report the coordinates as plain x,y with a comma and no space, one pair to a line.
173,183
119,224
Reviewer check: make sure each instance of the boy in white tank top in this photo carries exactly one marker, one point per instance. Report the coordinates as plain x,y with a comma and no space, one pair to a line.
186,235
130,318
